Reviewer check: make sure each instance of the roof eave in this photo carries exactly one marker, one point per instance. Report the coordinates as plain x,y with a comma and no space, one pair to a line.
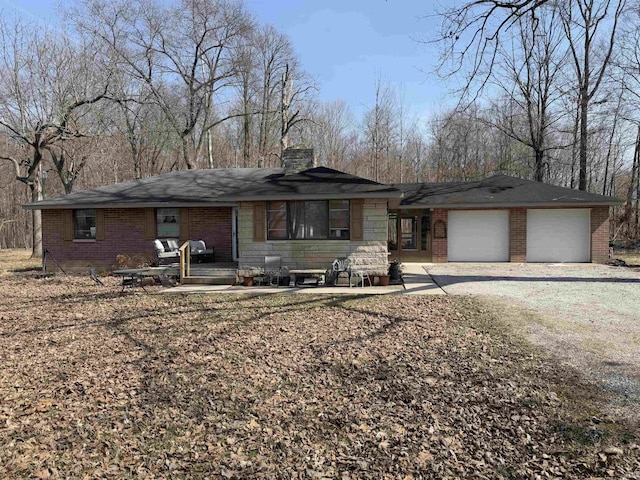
36,206
511,205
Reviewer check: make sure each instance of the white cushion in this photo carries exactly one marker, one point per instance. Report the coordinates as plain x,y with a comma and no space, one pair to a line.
173,244
197,246
158,246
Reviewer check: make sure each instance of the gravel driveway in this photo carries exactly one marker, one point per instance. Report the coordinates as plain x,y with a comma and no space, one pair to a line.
586,314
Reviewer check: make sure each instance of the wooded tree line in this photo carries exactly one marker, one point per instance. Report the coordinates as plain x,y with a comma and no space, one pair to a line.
128,89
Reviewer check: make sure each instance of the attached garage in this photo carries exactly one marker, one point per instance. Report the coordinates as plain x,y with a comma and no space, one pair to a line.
559,235
478,236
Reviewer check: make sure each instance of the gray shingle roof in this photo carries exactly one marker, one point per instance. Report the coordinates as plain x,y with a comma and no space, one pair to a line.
179,188
498,190
224,186
318,182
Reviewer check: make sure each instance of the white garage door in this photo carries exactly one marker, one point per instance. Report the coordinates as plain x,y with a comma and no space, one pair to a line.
478,236
562,235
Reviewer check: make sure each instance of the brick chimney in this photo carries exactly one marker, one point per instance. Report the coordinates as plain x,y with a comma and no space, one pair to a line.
295,160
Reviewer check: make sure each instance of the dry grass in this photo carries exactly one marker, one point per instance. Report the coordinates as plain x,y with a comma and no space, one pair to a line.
629,258
12,260
98,384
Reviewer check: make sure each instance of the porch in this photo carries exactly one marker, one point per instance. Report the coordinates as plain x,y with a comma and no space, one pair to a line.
219,273
416,281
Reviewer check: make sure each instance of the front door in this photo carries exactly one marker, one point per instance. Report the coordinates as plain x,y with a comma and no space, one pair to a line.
410,235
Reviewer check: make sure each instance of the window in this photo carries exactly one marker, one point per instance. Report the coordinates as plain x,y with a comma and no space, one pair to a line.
168,223
392,239
339,219
312,219
409,232
277,215
425,231
84,224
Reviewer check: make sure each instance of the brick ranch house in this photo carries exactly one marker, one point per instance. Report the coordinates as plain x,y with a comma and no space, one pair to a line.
311,215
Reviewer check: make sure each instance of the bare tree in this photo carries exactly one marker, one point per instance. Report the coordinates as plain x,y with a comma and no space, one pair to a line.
590,67
528,74
471,36
380,128
46,86
184,54
331,133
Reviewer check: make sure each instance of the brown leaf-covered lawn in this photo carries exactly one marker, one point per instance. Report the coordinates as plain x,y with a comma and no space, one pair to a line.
98,384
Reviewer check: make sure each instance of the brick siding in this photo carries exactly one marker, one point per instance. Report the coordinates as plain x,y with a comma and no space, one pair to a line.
213,225
125,234
518,235
439,253
599,234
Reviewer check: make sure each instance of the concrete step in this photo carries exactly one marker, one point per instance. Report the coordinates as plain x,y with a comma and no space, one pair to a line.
217,279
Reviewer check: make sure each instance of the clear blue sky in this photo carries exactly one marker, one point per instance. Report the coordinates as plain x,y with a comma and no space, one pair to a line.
346,45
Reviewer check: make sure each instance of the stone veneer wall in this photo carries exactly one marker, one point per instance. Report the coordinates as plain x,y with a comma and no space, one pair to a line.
297,254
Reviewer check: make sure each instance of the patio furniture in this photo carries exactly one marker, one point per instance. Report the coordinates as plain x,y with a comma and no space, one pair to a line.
167,250
200,253
131,278
356,269
308,276
272,269
338,266
350,267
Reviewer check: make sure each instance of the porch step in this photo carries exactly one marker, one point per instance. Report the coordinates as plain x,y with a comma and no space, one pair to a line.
217,279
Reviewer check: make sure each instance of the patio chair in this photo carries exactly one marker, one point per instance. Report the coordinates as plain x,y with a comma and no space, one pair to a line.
272,270
167,250
356,269
338,266
200,253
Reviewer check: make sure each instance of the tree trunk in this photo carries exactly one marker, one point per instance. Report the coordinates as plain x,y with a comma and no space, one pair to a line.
584,106
137,170
539,166
36,216
185,153
284,110
628,206
574,149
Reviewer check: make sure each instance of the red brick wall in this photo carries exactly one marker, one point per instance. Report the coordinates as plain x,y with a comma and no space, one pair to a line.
439,254
599,234
124,234
213,225
518,235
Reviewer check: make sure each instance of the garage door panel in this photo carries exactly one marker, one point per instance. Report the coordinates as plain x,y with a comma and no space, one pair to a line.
559,235
478,236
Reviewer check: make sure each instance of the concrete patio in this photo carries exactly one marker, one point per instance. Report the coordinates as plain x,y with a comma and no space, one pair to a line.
416,282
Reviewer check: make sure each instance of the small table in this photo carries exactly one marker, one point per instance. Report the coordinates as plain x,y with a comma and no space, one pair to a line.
316,273
131,277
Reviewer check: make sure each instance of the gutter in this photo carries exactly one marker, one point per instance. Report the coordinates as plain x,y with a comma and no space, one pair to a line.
466,206
37,206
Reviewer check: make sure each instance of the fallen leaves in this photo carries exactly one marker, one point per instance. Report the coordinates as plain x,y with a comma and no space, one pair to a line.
95,384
